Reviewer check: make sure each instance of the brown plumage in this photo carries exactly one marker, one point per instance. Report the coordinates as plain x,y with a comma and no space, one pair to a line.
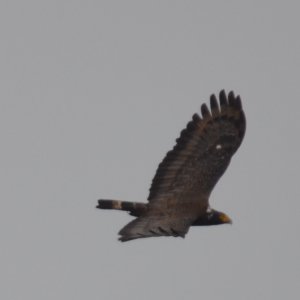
183,182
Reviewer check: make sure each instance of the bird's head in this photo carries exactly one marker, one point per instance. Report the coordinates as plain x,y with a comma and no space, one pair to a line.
214,217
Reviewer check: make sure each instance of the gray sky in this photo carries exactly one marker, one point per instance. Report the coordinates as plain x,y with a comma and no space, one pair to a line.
93,94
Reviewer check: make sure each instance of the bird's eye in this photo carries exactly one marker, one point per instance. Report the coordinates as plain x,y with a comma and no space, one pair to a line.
209,213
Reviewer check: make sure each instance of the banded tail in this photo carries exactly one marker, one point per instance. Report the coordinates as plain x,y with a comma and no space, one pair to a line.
135,209
144,225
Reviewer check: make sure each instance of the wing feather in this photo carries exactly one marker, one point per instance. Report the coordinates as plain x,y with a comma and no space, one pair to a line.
203,150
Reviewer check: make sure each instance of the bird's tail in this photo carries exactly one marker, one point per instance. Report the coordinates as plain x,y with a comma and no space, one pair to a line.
134,208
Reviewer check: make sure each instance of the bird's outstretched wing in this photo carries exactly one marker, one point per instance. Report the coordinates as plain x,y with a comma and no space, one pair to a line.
203,150
185,178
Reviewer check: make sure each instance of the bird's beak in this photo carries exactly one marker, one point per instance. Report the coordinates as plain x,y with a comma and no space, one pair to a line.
225,219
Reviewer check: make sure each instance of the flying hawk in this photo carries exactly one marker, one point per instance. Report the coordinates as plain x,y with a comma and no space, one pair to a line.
184,180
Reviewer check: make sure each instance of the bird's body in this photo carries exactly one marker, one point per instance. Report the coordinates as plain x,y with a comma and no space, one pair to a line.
183,182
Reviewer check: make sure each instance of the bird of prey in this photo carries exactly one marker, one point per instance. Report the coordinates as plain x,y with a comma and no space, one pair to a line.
184,180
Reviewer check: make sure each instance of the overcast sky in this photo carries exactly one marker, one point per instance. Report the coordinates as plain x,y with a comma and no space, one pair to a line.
93,94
